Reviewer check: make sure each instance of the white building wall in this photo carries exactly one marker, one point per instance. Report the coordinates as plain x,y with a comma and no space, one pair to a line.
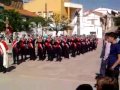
87,26
92,24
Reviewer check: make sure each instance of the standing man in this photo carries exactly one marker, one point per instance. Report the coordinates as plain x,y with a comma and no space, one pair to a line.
58,51
15,50
49,49
65,49
40,49
104,55
22,48
31,49
73,48
34,43
113,64
3,55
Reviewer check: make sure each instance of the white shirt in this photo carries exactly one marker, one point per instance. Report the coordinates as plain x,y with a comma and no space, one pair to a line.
107,50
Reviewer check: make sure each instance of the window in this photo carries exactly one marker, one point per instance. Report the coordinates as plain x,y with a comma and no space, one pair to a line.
40,13
50,13
93,33
92,22
44,14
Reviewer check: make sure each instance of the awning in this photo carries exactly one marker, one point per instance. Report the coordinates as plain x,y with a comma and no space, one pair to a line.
72,5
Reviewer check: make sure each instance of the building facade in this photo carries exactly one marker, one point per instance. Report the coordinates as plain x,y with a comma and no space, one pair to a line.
47,8
89,24
92,24
97,22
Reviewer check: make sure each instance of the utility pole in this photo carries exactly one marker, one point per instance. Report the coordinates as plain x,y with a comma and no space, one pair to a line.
46,9
78,24
78,21
46,15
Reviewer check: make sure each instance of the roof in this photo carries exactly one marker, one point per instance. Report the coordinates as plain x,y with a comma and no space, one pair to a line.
95,12
106,10
98,13
21,11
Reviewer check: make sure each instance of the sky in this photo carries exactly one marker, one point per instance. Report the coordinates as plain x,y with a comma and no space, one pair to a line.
93,4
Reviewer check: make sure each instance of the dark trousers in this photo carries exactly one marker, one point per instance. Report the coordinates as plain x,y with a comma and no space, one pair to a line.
15,57
82,49
73,53
58,54
44,53
103,67
40,54
31,52
66,52
66,55
78,50
34,54
23,54
2,68
50,55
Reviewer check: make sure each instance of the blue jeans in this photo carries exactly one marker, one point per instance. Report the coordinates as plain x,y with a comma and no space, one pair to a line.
103,67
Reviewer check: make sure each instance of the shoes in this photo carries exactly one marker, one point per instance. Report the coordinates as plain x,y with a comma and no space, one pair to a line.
4,71
98,76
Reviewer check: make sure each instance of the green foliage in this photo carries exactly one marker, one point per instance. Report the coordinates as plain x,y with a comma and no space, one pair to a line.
25,25
15,19
57,18
61,23
2,26
17,23
47,21
38,20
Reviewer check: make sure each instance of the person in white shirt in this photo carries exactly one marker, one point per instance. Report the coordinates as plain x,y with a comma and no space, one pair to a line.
104,55
4,63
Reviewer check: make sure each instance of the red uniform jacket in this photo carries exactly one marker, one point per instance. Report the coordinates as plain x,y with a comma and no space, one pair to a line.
5,45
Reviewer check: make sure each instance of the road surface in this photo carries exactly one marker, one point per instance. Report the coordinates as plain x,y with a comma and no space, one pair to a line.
45,75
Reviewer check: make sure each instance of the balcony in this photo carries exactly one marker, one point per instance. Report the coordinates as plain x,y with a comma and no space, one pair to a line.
72,5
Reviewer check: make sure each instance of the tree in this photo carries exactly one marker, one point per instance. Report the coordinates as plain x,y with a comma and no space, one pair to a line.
2,26
25,25
15,19
38,20
59,23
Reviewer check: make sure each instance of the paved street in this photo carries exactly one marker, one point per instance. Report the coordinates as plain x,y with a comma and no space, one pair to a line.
45,75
